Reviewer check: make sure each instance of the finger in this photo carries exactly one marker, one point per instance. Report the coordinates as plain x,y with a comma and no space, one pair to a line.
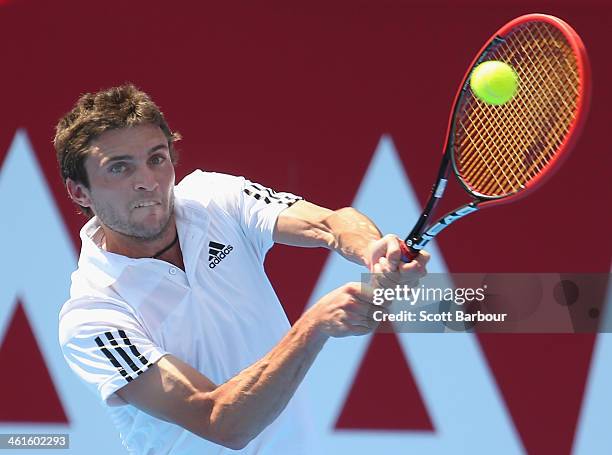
394,252
359,309
354,288
378,250
388,279
384,282
414,269
365,295
392,275
376,274
423,257
408,277
386,266
377,268
392,281
359,291
379,280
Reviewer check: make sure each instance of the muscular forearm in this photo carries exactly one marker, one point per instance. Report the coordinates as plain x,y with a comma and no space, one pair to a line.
346,231
251,400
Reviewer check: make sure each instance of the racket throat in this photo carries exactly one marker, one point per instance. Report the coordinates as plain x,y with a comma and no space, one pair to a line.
417,242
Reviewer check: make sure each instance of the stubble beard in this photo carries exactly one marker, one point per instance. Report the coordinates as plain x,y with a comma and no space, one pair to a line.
140,232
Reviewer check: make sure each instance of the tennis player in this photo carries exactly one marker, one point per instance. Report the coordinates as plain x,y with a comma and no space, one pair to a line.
172,320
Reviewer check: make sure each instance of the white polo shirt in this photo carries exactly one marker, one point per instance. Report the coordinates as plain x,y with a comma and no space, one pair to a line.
220,315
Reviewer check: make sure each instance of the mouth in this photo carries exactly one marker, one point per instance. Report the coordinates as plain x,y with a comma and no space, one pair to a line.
146,204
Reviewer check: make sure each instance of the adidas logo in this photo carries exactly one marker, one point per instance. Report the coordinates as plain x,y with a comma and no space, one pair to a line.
217,252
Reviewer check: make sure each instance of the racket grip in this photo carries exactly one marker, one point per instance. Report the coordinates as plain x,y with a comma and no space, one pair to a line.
408,254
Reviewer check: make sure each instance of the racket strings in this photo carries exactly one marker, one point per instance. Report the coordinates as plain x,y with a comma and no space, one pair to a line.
499,149
537,110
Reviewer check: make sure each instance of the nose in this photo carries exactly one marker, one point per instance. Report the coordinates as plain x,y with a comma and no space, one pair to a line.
144,180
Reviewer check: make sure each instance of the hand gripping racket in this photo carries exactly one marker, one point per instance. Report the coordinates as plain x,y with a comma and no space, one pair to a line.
500,153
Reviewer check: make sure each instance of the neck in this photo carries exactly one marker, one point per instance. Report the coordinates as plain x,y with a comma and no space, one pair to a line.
159,248
166,248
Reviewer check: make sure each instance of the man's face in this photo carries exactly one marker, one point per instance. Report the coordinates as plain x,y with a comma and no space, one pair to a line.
131,180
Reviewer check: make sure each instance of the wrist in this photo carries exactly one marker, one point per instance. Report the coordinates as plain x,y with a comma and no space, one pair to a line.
311,329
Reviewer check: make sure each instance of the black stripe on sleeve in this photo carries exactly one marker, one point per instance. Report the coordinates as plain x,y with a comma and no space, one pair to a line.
269,195
122,353
133,349
112,360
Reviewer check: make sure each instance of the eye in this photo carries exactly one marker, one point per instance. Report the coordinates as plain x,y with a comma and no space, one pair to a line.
158,159
117,168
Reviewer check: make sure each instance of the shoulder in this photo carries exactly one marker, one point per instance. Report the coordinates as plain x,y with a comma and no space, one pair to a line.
87,313
204,186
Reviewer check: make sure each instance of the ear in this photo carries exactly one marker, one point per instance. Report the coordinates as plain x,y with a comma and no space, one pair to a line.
78,193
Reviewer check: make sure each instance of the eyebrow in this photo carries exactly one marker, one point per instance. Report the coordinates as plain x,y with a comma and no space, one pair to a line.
130,157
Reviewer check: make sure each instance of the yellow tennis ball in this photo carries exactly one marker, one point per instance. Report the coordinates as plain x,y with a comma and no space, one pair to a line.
494,82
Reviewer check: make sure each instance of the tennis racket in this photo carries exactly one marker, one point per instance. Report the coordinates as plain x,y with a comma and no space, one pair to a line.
500,153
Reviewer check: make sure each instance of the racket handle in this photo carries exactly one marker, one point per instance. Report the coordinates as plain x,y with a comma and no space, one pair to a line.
408,254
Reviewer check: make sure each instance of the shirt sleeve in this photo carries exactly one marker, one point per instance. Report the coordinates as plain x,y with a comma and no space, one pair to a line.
106,347
255,207
260,207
